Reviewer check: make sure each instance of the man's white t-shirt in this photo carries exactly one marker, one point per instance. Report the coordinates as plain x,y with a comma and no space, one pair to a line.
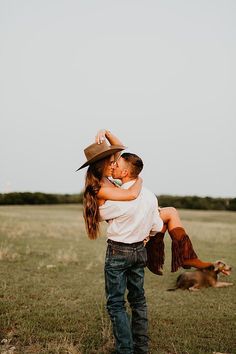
132,221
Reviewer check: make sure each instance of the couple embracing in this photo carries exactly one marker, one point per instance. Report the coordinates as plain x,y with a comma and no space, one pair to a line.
135,232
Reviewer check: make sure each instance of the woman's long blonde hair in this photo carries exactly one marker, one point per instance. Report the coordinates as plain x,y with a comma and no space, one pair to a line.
90,201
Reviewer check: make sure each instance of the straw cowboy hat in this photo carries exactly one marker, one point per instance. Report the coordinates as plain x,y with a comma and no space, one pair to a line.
95,152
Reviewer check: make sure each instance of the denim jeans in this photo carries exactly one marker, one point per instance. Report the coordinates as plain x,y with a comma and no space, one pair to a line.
124,269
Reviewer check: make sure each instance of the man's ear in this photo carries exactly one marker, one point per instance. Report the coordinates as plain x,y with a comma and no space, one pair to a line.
125,173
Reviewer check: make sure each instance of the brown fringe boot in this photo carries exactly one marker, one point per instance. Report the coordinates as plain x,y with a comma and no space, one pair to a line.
183,254
155,253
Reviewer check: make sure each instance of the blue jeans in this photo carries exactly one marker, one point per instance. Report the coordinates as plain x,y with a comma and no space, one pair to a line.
124,269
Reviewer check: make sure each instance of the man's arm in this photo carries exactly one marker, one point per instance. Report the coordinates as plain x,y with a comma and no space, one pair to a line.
157,221
111,210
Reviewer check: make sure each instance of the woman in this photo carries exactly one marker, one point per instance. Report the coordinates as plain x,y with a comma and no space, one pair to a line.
99,188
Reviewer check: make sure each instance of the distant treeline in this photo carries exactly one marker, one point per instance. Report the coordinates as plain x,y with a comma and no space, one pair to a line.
20,198
185,202
195,202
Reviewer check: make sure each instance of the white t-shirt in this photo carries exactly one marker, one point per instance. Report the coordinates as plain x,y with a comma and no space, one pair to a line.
132,221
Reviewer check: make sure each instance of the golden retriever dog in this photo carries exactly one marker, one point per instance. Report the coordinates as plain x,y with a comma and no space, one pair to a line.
203,278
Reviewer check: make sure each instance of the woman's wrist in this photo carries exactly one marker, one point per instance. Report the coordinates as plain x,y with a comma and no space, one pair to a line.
107,132
101,136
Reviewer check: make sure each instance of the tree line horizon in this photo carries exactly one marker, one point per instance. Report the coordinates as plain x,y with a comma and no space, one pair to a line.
179,202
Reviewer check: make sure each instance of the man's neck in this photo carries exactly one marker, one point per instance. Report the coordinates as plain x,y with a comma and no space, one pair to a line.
127,179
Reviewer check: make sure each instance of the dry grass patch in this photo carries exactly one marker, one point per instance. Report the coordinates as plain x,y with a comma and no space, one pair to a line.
67,256
7,253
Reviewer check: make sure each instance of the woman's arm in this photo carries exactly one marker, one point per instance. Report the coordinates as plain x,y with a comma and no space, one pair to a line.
118,194
113,140
106,134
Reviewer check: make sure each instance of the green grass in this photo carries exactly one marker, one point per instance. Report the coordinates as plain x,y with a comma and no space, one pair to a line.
52,287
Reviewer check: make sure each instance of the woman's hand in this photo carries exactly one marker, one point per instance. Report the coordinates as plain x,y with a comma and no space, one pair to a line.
101,136
104,134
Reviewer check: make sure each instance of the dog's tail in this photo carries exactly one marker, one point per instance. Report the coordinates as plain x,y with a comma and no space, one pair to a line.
171,289
175,285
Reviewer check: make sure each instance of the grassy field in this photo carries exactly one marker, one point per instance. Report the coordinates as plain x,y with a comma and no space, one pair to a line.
52,287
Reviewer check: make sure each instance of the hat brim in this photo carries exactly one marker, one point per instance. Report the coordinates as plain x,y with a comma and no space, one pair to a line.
112,150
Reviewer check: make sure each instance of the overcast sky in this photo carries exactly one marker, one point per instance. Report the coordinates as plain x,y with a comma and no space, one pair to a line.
159,74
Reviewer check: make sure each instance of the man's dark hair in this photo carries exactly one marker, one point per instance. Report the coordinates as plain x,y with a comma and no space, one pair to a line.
136,163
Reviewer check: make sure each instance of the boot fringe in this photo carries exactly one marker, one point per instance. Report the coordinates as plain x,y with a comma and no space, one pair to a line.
181,251
156,253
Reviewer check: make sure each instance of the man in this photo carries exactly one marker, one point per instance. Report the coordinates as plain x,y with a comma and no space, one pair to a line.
130,222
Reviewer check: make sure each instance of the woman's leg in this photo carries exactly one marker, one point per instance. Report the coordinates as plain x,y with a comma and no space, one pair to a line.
183,254
170,217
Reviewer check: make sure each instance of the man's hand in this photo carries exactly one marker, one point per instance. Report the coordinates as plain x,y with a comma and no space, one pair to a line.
146,240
